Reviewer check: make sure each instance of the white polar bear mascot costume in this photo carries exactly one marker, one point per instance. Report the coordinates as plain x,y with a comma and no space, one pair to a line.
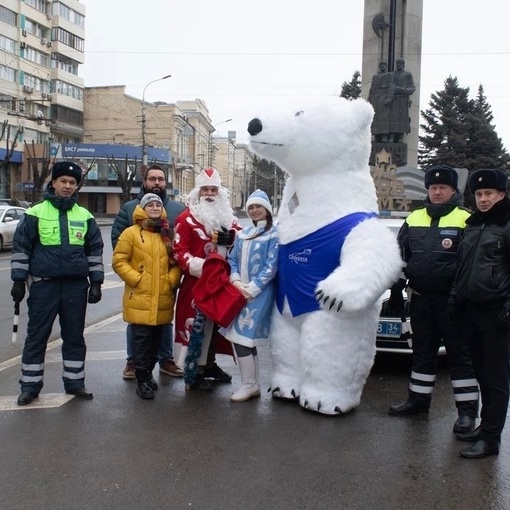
336,258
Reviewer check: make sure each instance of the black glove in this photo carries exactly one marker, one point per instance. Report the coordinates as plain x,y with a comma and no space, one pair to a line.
94,293
504,318
396,303
394,306
225,237
18,291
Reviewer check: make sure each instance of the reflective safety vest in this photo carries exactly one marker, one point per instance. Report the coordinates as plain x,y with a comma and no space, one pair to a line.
50,226
430,248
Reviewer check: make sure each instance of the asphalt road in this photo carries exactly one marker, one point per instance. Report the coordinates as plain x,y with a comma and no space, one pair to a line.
197,450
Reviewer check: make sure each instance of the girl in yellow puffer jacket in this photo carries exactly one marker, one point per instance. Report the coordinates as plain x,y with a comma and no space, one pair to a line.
143,259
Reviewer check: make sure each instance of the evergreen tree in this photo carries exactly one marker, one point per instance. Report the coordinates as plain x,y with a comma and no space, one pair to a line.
459,131
487,148
352,89
446,127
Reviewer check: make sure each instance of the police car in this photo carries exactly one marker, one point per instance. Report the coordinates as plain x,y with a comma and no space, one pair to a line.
394,334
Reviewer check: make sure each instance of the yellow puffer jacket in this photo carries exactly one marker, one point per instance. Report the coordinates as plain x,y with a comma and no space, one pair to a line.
141,260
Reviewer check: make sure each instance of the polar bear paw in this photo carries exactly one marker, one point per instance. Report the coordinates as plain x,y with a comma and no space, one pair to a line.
331,403
285,388
327,302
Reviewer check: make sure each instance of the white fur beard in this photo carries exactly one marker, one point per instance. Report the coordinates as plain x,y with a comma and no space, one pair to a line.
213,215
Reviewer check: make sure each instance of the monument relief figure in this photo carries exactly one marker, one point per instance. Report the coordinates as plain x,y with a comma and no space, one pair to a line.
399,110
380,97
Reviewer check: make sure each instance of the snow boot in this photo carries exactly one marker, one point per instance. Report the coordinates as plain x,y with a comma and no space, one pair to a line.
249,387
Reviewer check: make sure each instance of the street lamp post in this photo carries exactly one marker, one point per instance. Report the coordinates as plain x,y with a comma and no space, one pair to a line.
144,145
211,147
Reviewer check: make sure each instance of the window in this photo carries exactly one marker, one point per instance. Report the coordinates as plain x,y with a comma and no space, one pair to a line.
67,89
7,74
8,16
6,44
71,15
37,56
63,36
40,5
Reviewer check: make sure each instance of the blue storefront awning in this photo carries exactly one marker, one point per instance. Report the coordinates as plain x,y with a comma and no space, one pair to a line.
17,156
117,151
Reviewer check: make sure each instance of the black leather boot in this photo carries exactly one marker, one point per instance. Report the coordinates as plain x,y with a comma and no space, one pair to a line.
144,389
406,408
472,436
480,450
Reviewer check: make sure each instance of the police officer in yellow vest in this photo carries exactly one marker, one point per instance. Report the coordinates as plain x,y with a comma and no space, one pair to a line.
429,240
57,251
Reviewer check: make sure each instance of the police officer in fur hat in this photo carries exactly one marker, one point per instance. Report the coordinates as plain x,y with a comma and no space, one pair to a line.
58,252
429,240
481,300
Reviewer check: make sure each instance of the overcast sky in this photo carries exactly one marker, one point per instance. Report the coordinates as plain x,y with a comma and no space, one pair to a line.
240,56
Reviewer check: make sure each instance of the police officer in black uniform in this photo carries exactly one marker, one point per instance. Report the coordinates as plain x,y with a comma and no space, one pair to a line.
481,300
58,251
429,240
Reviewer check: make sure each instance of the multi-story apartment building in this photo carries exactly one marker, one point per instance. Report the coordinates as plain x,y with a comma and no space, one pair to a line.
41,95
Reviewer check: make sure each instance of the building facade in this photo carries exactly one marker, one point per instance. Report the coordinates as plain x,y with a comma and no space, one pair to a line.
42,45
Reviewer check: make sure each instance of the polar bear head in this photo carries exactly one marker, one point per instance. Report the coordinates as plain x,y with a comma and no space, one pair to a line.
311,135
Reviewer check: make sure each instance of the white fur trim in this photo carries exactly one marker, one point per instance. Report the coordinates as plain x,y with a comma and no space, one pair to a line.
253,290
195,266
208,177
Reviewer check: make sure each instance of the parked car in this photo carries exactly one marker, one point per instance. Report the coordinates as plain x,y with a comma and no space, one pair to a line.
394,334
14,202
9,219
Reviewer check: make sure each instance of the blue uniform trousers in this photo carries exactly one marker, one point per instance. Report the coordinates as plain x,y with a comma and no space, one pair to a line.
66,298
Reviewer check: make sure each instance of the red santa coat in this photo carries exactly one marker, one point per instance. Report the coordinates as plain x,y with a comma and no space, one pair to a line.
192,245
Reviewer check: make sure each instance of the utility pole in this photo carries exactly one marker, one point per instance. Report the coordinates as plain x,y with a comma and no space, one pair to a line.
144,119
210,157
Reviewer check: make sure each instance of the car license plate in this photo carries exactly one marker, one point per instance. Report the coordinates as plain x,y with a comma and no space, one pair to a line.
389,329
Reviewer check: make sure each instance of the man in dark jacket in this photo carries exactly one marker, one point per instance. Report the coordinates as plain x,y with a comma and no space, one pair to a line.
481,300
154,182
429,240
57,250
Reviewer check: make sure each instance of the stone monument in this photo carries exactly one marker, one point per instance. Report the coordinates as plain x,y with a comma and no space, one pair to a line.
392,34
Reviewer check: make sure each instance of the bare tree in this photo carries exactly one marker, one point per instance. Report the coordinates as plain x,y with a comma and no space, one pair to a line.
39,167
40,164
10,145
125,176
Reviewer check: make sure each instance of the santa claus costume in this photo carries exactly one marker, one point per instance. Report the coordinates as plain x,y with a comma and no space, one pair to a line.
200,230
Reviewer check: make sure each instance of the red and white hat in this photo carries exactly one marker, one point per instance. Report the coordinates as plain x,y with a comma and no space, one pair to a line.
208,177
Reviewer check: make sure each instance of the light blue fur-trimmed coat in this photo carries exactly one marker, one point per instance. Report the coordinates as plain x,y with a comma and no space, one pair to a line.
254,262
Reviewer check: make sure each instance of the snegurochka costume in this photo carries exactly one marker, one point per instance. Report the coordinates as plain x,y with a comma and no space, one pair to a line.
254,262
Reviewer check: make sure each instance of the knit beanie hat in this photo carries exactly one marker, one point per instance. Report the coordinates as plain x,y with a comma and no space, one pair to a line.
259,197
66,168
441,174
488,179
148,198
208,177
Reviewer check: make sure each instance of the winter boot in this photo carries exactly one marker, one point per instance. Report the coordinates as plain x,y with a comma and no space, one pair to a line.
200,383
249,387
144,389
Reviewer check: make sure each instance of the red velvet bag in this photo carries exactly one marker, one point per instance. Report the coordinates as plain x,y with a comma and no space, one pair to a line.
214,295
